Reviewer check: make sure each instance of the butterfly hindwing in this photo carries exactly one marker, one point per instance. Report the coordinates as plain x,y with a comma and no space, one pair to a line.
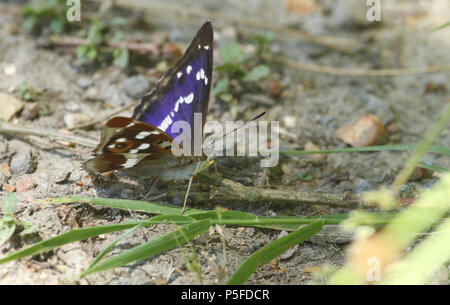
184,89
126,142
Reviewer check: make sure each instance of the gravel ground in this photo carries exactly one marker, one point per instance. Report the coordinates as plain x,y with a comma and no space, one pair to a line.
312,106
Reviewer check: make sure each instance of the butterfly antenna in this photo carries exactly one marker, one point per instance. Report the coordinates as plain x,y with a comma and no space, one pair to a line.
252,120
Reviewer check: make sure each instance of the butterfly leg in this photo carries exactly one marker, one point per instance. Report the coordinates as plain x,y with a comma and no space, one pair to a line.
187,194
151,189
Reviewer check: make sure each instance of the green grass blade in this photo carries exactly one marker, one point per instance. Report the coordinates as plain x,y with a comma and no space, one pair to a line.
289,223
112,245
9,204
422,262
126,204
226,217
229,217
173,219
155,246
65,238
433,168
6,231
237,218
423,147
441,27
271,251
433,149
85,233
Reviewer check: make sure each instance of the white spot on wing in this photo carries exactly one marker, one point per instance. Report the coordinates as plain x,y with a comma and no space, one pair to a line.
131,124
166,144
188,99
179,74
130,163
165,123
121,140
188,69
206,47
201,75
143,134
177,104
143,146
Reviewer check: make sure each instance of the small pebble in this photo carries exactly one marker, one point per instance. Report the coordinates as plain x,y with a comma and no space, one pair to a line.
229,32
366,131
273,88
3,149
392,128
363,186
23,162
9,106
171,51
136,86
432,87
317,158
74,119
62,177
420,173
24,184
303,7
4,177
4,168
31,111
290,121
10,69
84,82
91,93
73,106
287,168
9,188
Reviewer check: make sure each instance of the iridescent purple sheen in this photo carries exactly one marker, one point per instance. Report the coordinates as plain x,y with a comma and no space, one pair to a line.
184,89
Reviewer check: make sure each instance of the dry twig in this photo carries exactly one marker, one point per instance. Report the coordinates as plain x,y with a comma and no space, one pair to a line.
137,47
104,118
357,72
231,192
340,44
6,128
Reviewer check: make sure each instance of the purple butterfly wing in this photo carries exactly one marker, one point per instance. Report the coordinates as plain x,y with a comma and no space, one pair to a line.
184,89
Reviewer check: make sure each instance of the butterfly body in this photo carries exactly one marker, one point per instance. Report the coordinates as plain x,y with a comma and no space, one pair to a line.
142,145
168,168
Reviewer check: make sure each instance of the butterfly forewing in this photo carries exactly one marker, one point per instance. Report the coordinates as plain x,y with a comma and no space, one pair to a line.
184,89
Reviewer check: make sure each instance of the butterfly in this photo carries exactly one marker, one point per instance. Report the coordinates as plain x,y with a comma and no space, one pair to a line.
141,145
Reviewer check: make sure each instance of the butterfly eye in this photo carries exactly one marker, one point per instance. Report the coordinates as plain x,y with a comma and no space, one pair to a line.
119,147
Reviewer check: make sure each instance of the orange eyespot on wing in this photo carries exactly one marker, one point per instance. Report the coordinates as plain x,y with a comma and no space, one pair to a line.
120,147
